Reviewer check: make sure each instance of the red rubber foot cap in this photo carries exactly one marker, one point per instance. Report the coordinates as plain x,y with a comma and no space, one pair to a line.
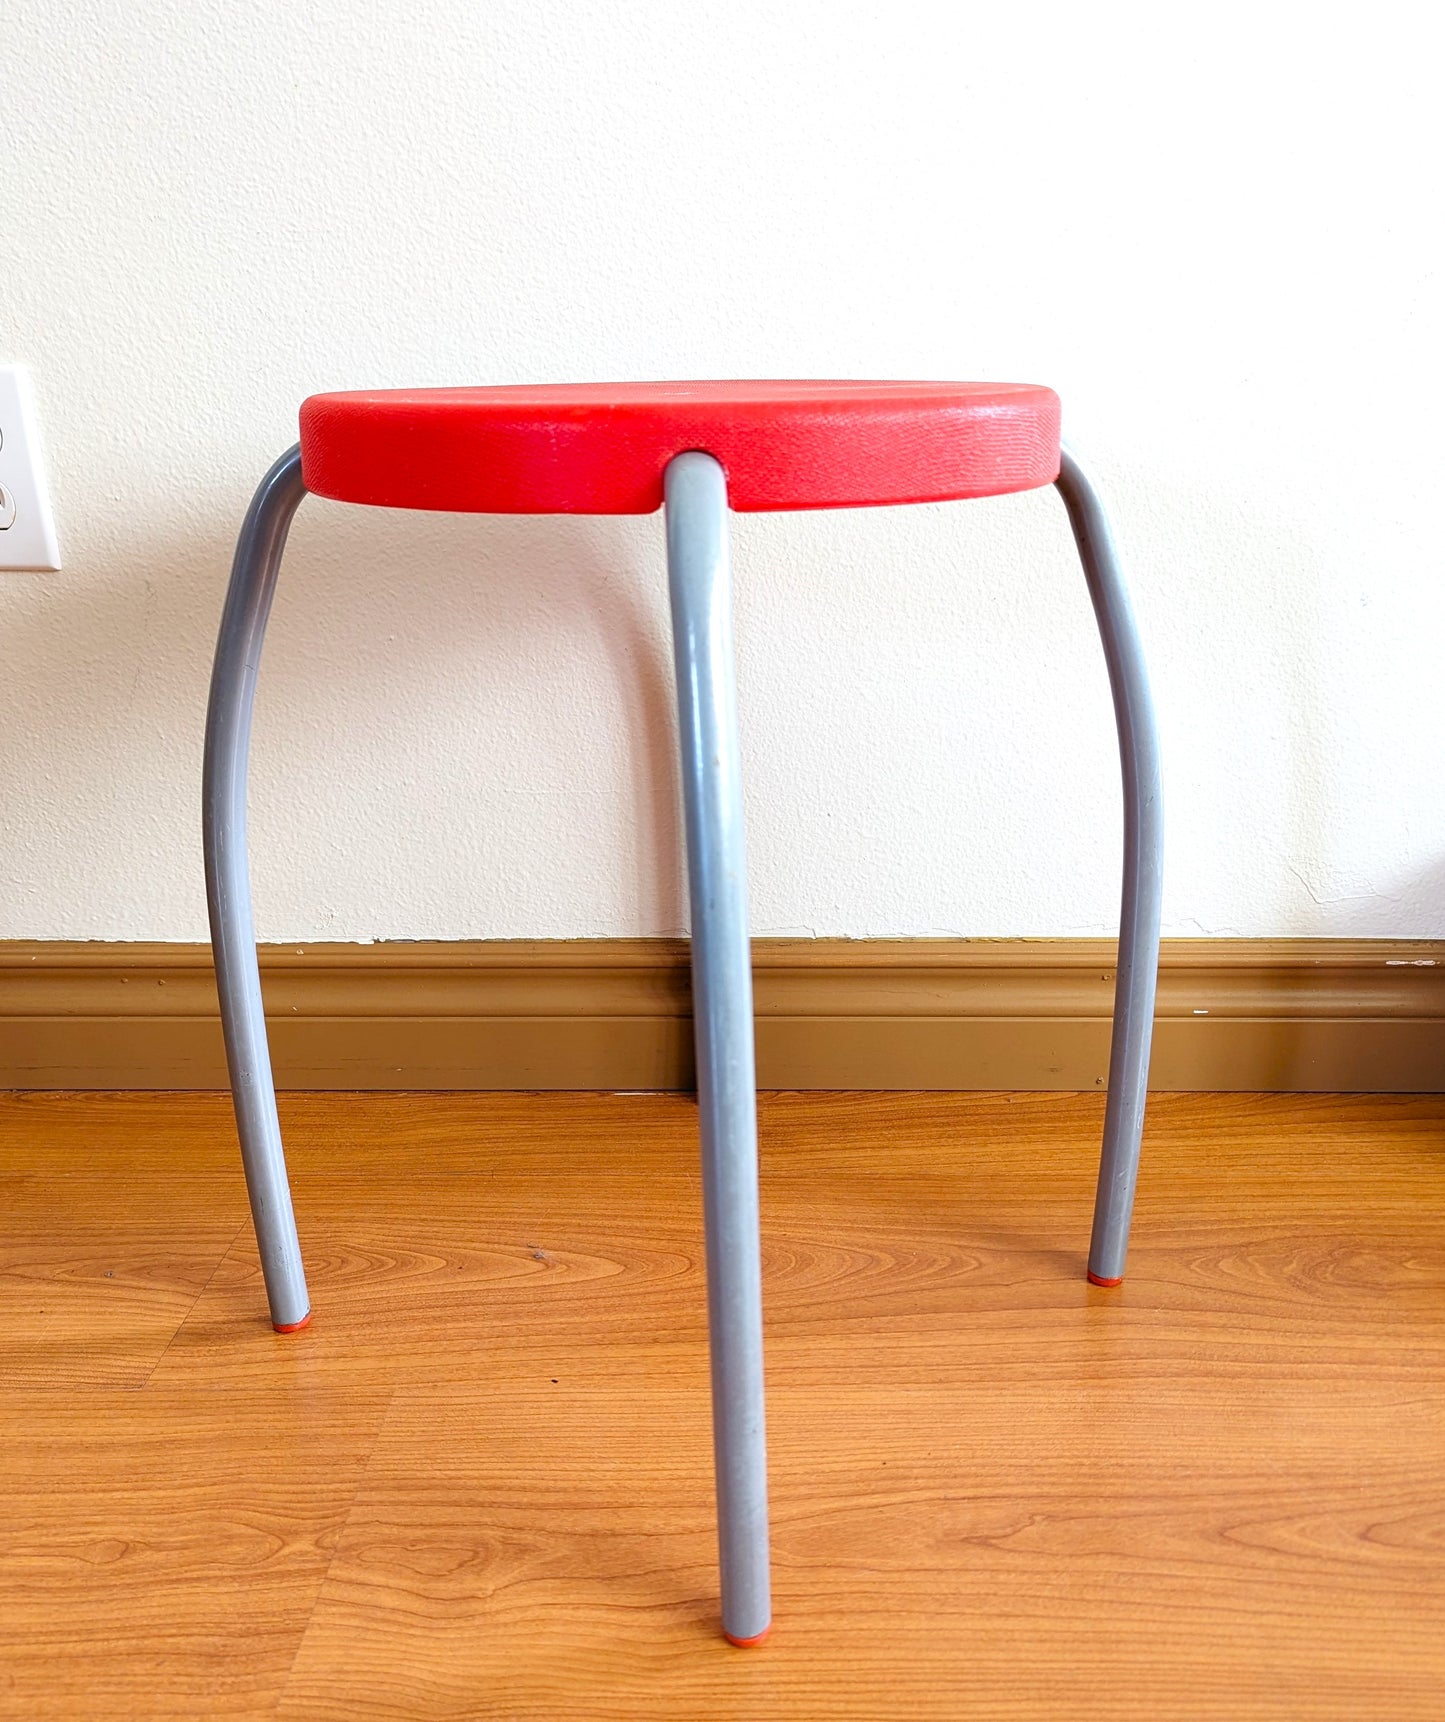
293,1326
1095,1280
748,1643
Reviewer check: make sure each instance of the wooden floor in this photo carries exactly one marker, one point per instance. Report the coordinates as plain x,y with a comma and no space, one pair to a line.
478,1485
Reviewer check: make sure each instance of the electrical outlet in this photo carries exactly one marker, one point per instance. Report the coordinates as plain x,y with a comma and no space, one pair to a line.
27,530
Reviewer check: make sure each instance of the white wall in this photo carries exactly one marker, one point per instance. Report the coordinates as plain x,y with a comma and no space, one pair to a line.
1215,232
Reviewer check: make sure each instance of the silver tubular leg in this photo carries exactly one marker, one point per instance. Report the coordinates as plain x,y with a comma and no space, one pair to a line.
1143,875
698,580
228,884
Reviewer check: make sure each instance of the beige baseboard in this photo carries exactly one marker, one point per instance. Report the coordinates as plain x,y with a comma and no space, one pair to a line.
1293,1015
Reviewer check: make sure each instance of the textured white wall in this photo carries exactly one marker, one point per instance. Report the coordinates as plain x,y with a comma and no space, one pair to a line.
1215,233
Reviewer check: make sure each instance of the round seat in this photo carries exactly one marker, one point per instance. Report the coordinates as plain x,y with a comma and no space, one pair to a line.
602,448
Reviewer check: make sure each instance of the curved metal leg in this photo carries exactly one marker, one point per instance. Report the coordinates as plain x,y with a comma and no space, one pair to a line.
1143,875
697,559
228,884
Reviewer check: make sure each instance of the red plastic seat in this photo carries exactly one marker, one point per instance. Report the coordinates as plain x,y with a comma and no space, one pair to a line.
601,448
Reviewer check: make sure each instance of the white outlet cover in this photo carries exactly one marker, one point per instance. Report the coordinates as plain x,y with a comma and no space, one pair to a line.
27,544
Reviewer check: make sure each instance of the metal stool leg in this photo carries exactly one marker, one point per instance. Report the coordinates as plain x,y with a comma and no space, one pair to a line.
697,558
228,884
1143,875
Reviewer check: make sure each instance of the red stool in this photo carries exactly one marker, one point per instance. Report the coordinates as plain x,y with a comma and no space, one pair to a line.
702,448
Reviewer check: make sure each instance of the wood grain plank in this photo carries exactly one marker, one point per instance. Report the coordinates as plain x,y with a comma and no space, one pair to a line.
1218,1492
67,1134
96,1275
1007,1552
160,1552
367,1134
963,1226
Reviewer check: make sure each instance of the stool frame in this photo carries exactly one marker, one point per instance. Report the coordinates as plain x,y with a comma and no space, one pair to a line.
699,583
